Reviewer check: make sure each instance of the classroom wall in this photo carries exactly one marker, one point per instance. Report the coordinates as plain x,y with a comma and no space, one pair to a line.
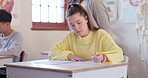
126,37
37,41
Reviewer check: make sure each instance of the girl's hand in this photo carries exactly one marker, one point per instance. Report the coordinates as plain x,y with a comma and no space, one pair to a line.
72,57
99,58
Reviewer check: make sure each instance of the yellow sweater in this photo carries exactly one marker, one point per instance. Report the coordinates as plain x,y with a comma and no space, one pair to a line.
84,47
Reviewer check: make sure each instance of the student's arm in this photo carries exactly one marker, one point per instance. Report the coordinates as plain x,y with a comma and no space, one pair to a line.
61,49
110,45
15,48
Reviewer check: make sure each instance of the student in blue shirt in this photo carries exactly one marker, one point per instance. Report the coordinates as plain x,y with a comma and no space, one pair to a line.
10,40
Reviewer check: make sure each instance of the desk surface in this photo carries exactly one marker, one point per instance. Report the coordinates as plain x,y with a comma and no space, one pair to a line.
45,52
63,66
4,57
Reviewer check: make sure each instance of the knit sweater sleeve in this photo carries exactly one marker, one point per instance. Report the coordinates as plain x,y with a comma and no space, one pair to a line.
61,49
110,45
15,46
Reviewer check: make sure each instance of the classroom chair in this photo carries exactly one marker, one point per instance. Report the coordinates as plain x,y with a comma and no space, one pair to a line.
23,56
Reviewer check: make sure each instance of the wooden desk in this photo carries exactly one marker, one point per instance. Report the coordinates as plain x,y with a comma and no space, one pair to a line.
45,54
65,69
5,59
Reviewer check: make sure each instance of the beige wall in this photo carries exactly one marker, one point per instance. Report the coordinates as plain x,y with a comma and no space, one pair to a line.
126,37
37,41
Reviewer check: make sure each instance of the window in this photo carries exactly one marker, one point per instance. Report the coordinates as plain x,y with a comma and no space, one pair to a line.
49,14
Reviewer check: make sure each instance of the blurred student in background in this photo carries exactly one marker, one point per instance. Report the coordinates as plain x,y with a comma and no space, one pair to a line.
10,40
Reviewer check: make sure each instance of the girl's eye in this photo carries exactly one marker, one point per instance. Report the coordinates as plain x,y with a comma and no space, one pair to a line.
72,25
79,22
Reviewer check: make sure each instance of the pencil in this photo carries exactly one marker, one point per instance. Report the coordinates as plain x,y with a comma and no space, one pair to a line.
108,52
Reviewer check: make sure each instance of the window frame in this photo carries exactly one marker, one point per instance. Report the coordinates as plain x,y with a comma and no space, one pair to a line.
52,26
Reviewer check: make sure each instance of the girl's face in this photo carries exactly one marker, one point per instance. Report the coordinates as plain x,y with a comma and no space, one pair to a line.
78,24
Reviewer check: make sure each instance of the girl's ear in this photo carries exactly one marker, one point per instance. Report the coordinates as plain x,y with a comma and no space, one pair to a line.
86,18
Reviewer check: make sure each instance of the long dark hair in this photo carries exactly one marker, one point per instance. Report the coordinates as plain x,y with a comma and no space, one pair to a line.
77,8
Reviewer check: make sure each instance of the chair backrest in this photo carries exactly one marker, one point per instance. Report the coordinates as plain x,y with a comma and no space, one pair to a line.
126,59
22,56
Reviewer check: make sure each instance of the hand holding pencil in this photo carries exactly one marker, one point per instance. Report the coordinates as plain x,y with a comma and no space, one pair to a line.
101,56
107,52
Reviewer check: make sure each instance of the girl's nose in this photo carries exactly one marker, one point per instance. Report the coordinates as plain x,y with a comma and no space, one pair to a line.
76,27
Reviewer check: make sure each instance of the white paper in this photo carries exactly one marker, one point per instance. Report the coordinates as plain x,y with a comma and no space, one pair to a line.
54,62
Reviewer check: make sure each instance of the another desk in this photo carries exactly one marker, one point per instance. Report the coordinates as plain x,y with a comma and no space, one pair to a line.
5,59
45,54
65,69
